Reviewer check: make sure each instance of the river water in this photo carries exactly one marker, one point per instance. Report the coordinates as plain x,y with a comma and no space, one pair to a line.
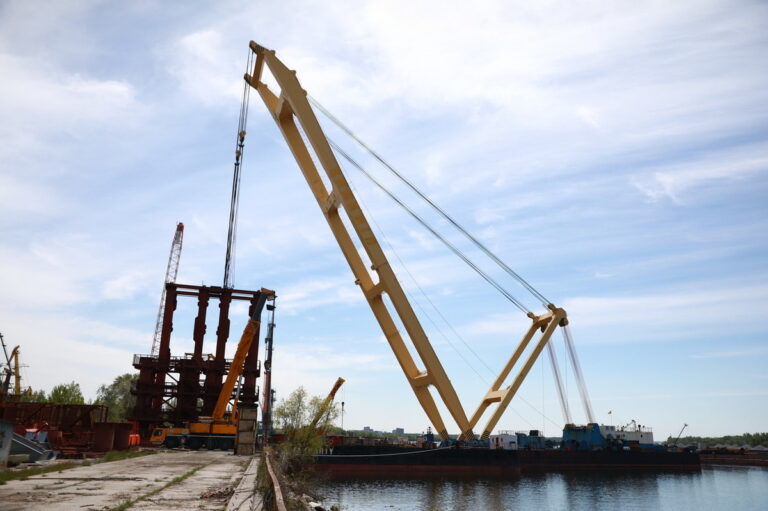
714,488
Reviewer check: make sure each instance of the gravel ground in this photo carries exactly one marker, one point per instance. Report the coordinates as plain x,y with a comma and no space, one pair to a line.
106,485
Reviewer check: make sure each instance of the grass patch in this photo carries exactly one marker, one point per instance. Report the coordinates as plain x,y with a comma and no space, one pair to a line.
8,475
128,503
123,455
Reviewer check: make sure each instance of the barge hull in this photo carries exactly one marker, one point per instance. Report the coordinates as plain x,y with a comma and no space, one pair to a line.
385,461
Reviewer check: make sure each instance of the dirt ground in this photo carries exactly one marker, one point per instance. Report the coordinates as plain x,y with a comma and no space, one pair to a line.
106,485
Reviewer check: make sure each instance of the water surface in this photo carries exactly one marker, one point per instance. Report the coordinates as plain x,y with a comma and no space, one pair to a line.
716,488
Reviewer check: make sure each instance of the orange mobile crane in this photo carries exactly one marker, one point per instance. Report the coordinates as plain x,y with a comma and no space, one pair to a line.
218,431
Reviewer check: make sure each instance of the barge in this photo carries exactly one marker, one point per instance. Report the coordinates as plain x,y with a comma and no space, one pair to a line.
583,448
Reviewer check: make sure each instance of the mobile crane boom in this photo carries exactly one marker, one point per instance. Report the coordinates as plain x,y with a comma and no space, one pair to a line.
298,124
236,369
326,402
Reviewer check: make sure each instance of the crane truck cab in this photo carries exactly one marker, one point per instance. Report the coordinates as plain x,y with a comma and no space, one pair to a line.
169,437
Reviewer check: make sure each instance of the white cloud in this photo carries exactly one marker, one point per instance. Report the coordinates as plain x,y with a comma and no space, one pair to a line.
734,353
15,194
299,296
52,99
680,314
58,348
127,285
673,181
589,116
206,68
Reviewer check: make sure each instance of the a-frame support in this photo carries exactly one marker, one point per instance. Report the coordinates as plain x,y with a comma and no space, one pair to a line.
545,326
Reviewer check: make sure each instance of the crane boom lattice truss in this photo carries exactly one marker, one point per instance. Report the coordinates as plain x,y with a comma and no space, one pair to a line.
171,272
293,115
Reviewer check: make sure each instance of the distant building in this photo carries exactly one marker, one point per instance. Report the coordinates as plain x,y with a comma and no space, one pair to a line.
398,431
367,429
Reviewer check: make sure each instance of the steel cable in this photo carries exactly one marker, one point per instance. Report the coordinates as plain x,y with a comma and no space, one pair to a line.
437,208
447,243
242,123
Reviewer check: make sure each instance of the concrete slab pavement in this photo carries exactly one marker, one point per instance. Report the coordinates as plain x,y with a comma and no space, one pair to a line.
102,486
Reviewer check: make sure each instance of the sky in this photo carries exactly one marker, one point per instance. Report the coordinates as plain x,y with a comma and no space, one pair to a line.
615,154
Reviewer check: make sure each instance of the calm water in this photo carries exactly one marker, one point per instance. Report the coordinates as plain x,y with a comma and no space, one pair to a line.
729,488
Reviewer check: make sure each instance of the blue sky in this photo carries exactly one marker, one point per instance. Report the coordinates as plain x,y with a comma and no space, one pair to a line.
614,154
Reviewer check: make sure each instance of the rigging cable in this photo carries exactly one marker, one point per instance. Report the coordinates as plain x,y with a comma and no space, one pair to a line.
357,165
229,262
445,320
423,293
577,371
455,250
437,208
447,243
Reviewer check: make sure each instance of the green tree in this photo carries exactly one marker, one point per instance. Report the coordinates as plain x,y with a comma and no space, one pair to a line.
117,396
291,412
67,393
299,409
37,396
292,417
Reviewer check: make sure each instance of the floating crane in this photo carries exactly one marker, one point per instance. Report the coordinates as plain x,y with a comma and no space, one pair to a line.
171,271
292,112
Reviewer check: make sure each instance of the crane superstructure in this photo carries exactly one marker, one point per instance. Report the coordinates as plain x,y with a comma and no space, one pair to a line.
171,271
12,369
294,116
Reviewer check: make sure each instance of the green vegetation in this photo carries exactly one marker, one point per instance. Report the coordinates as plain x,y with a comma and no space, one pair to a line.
67,393
37,396
292,417
373,434
753,439
123,455
292,458
117,396
8,475
128,503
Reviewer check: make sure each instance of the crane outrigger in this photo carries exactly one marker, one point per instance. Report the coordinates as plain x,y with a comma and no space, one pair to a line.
294,116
